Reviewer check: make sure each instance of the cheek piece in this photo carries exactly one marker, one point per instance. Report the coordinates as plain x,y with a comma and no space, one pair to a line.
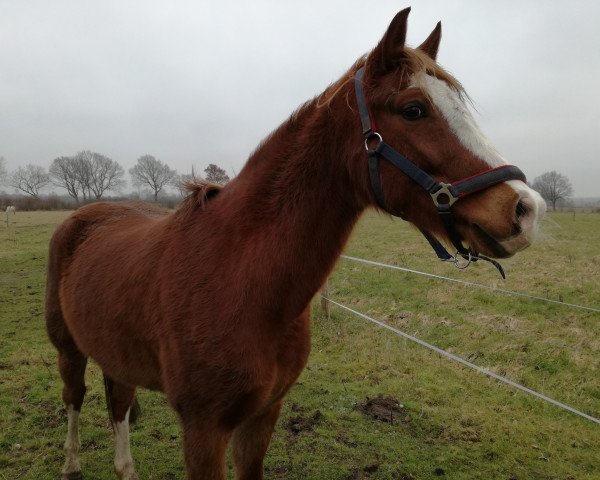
443,195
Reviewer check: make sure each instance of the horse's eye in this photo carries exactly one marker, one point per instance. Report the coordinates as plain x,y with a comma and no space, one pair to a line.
413,112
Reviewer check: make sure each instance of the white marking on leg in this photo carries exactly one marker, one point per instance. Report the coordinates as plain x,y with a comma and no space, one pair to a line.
123,460
72,444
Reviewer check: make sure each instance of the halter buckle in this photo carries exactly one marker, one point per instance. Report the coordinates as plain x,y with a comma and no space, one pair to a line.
443,190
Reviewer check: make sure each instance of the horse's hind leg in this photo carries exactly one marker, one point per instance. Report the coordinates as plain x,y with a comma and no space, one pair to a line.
72,369
71,361
71,365
122,408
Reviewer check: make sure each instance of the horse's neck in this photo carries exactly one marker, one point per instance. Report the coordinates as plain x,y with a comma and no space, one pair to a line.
296,206
301,172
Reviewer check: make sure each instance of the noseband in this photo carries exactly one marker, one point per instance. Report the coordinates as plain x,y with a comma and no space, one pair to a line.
443,195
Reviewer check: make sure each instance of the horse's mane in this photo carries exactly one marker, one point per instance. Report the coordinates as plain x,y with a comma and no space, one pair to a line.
200,192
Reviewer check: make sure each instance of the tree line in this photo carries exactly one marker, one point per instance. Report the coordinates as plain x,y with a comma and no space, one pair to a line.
88,175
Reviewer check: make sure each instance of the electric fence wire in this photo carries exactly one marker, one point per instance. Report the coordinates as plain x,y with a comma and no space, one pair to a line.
472,284
466,363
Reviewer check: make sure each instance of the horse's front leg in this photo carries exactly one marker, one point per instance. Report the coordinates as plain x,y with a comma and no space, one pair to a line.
204,446
250,442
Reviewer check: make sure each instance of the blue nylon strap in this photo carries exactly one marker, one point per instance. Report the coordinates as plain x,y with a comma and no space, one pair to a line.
447,219
458,189
439,249
363,109
384,149
375,180
486,179
406,166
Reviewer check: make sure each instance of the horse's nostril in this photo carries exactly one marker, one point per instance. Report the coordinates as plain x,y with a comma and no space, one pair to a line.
522,209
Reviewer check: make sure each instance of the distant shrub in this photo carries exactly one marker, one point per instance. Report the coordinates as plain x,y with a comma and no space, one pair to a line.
25,203
52,201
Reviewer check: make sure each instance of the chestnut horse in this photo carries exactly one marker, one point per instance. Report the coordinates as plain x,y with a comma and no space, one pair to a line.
210,304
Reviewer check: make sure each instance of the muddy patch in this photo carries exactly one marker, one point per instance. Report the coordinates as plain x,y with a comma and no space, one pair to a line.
363,473
302,422
382,408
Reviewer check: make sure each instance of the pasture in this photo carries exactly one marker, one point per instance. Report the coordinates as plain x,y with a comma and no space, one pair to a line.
450,422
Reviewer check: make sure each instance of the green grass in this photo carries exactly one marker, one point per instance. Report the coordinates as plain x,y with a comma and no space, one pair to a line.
455,424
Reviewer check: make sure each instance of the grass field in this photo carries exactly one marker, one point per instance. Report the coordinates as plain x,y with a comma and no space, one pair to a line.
452,423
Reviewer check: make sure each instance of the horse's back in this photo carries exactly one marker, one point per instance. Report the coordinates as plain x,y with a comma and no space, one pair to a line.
82,224
103,212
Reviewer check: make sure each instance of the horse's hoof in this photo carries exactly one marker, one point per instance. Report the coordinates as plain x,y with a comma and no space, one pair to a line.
131,476
127,474
72,476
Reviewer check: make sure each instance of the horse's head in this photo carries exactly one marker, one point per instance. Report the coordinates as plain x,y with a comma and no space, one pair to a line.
420,111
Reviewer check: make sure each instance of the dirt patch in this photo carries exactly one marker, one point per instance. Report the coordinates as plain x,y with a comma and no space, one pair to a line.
383,408
55,415
470,436
363,473
304,423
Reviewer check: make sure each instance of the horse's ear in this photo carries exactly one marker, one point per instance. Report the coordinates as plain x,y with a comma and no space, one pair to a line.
431,45
389,53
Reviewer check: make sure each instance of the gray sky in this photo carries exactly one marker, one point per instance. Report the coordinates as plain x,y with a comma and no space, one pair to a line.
197,82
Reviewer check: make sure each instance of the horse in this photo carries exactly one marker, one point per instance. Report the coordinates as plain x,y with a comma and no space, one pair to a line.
210,304
11,209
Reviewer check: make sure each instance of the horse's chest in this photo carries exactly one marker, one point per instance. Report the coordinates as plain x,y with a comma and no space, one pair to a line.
240,374
292,348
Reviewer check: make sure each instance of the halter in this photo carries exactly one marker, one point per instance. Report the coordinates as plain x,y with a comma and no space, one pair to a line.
443,195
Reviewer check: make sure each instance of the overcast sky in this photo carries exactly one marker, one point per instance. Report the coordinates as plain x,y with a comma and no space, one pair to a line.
197,82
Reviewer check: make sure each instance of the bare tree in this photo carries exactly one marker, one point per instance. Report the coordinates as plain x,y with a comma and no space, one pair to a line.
216,174
152,172
106,174
63,173
83,172
553,186
87,173
30,179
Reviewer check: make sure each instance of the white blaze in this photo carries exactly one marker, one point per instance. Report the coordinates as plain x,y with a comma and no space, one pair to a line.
459,118
461,122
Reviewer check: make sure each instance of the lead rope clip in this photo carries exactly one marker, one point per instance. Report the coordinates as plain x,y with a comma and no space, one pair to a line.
461,261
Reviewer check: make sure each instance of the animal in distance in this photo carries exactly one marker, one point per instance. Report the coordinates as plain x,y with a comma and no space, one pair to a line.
210,304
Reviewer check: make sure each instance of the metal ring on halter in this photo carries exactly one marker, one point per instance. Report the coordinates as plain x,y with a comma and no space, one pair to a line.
370,137
457,262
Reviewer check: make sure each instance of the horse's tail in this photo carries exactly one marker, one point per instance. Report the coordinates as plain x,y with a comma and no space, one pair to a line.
135,409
